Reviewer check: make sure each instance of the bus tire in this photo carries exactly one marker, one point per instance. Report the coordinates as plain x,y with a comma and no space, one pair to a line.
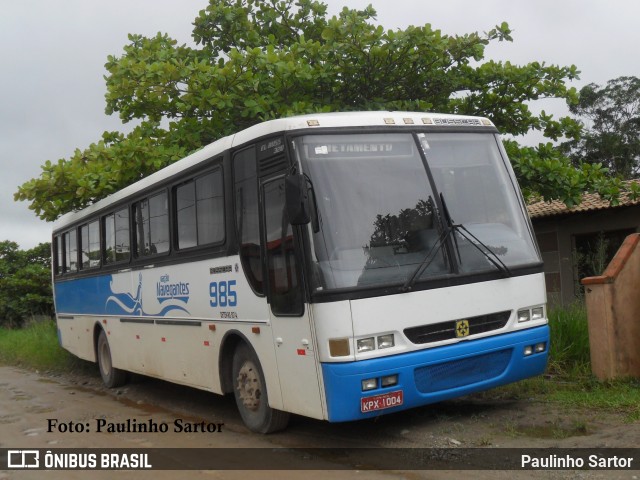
250,391
111,377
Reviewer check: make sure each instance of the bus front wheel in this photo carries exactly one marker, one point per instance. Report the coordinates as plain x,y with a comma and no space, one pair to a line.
111,377
250,391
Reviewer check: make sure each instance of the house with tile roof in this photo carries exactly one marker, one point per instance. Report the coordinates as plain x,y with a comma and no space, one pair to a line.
580,241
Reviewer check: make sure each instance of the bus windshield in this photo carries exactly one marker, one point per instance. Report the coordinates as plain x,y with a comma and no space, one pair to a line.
380,208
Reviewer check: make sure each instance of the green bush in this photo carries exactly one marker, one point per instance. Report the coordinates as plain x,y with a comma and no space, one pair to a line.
36,346
569,349
25,283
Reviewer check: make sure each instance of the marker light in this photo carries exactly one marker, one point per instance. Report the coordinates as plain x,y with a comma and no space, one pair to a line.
339,347
386,341
389,380
366,344
369,384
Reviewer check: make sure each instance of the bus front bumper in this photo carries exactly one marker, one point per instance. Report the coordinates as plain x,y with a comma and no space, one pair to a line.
432,375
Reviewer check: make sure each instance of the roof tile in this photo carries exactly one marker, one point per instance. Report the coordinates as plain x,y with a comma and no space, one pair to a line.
590,202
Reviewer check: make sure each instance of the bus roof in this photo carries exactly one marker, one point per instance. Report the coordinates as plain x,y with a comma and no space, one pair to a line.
309,121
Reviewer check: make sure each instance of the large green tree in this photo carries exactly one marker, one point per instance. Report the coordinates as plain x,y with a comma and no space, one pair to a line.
261,59
611,137
25,283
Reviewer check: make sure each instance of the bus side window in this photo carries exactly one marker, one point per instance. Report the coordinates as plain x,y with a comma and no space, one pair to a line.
247,216
151,217
90,245
71,251
116,237
210,208
59,255
200,211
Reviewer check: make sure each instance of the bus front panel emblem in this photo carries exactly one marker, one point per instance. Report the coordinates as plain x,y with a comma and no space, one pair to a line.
462,328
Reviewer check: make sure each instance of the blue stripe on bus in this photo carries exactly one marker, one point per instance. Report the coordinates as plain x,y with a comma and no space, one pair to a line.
435,374
94,296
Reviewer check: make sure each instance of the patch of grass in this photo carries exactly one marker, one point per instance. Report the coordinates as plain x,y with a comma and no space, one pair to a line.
569,349
569,380
620,396
36,346
554,429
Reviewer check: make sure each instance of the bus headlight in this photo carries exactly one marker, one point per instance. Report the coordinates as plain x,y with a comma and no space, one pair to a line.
386,341
531,313
366,344
524,315
537,313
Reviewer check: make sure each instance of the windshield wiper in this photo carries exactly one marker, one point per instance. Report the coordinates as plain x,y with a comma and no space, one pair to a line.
487,252
450,224
427,260
446,232
464,232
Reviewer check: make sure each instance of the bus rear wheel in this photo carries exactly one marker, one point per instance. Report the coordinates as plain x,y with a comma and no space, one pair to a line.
250,391
111,377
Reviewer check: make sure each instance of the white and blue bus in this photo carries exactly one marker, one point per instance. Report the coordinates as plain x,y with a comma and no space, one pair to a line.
337,266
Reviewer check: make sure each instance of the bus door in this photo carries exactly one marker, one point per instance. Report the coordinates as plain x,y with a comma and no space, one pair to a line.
291,323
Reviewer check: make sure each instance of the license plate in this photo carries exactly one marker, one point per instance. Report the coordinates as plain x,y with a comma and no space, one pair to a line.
380,402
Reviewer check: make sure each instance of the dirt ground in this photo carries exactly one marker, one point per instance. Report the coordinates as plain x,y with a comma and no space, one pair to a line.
29,399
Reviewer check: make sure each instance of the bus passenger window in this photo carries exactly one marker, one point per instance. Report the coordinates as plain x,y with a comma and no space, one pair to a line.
90,245
200,211
152,225
186,209
71,251
210,208
59,255
116,237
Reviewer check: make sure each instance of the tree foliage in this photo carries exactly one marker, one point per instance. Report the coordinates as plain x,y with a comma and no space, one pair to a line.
612,134
256,60
25,283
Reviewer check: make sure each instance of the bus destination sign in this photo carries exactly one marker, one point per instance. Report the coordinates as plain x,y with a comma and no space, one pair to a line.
360,149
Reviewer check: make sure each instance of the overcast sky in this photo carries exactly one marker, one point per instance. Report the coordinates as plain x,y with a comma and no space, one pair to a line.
52,56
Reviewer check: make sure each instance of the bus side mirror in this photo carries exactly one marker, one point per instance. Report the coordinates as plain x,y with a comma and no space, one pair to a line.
297,199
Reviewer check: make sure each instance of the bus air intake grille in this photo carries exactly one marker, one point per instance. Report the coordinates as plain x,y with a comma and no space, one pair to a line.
459,373
447,330
272,165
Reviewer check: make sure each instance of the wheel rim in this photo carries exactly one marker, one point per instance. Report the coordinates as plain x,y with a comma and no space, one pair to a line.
248,386
105,359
